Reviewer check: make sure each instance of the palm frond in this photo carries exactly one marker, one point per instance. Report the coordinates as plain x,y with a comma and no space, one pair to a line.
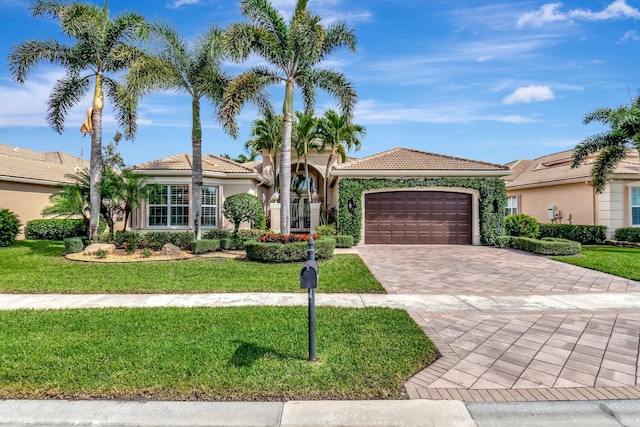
306,39
246,87
241,39
67,92
264,15
125,106
122,30
338,86
606,163
338,34
25,56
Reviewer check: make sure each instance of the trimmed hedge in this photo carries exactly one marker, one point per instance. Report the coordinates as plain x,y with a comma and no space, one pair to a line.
204,245
326,230
56,229
503,241
492,201
585,234
289,252
549,246
343,241
629,234
73,245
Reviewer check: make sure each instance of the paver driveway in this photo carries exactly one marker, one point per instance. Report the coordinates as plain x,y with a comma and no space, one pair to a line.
493,355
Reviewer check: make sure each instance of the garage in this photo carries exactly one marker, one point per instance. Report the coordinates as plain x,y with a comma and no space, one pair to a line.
418,217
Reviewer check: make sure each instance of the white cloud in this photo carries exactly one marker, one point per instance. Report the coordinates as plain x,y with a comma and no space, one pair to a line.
179,3
630,35
551,12
528,94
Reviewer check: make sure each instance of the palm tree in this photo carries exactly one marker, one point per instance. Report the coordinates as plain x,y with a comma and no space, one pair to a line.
133,190
339,136
293,52
192,70
306,136
613,146
266,134
103,46
71,200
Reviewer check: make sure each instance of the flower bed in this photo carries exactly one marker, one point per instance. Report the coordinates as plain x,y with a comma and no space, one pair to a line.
283,248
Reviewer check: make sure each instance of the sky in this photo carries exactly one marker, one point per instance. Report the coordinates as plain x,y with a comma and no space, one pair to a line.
484,80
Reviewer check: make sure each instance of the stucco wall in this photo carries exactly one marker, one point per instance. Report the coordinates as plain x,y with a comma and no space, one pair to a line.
575,201
25,200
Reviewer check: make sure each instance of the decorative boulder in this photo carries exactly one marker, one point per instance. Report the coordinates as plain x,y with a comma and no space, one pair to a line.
94,247
171,250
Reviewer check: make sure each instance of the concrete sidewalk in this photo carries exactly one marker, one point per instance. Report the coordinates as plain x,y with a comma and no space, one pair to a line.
424,413
569,302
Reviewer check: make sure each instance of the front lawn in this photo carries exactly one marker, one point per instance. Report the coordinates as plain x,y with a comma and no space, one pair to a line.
255,353
614,260
38,267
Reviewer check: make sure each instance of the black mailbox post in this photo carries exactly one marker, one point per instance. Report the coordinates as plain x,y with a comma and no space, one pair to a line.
309,280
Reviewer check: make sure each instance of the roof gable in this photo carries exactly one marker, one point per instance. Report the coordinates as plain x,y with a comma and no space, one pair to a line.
404,159
183,162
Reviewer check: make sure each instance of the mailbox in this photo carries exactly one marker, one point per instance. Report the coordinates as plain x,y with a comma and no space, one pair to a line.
309,275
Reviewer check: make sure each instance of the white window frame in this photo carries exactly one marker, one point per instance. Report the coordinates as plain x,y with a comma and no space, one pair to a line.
512,210
210,203
172,202
632,205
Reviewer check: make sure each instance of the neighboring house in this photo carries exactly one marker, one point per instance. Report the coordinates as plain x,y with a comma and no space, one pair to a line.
549,190
28,178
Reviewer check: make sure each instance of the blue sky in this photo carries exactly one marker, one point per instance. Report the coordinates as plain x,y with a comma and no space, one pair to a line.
485,80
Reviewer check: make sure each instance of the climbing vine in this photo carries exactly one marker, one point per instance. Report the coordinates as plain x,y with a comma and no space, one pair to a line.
492,201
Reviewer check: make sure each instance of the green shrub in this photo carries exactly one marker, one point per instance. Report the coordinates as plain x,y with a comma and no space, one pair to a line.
203,246
521,225
286,238
9,227
585,234
216,233
503,241
253,233
55,229
101,253
73,245
155,240
244,207
288,252
343,241
551,246
326,230
127,238
629,234
146,253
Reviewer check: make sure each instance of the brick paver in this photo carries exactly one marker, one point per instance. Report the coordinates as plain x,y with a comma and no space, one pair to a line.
497,356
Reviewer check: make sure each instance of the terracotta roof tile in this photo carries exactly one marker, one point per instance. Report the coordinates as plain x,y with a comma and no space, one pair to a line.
21,163
210,163
407,159
556,168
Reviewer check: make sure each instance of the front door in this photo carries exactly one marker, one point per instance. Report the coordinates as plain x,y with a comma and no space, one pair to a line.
300,214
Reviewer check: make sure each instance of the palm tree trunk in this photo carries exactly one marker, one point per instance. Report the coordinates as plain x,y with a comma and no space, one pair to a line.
285,160
306,174
326,189
95,173
196,176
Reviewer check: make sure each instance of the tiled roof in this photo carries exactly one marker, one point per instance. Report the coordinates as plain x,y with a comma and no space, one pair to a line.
210,163
53,166
556,168
401,159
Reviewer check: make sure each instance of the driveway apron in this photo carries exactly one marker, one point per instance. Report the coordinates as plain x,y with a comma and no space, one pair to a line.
493,355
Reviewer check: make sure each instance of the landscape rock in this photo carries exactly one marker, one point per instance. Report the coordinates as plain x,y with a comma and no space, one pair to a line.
170,249
95,247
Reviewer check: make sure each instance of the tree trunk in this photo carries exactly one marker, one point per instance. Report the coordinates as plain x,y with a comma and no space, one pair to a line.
285,160
196,176
326,190
95,173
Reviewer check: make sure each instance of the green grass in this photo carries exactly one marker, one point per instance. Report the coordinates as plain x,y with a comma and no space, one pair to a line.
38,267
256,353
614,260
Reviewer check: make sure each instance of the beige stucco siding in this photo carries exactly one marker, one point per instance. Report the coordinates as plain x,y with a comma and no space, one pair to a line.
25,200
575,202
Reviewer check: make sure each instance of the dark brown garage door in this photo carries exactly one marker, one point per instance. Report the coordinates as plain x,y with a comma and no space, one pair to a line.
418,217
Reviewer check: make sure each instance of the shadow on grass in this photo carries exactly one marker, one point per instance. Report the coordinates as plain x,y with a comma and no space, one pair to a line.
47,248
249,353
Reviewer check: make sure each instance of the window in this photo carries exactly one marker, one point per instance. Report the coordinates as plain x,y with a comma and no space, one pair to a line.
209,206
169,206
635,206
512,205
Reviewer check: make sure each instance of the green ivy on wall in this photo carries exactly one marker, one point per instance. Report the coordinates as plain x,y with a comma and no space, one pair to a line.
492,201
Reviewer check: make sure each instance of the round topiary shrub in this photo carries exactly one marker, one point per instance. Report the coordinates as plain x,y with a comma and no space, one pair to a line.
9,227
521,225
244,208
